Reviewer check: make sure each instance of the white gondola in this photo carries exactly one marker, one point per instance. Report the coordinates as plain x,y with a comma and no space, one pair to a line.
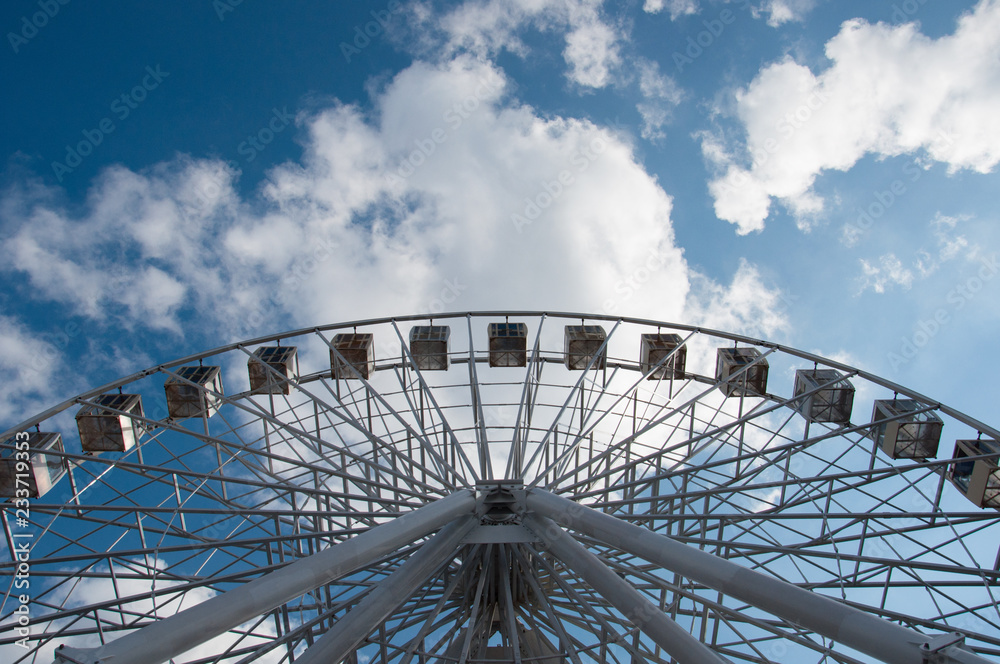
356,355
508,344
583,343
272,367
203,398
830,396
654,348
109,424
910,430
978,479
39,472
752,382
429,346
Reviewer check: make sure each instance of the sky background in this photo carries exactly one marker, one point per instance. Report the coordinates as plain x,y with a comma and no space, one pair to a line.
182,175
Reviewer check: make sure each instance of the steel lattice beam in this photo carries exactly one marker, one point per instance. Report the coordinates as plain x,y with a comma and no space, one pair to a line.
351,630
172,636
884,640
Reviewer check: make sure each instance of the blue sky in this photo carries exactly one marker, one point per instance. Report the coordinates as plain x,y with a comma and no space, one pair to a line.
818,173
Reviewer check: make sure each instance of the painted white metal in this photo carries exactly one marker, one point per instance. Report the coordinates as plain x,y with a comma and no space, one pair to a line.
163,639
678,642
689,465
348,632
845,624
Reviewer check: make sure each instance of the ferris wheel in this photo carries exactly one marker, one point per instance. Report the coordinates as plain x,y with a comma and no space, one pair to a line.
501,487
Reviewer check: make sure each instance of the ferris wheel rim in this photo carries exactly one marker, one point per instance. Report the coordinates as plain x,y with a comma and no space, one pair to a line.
242,348
541,314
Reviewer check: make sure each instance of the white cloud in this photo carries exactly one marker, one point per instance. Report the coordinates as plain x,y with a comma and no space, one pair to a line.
783,11
166,217
591,48
777,11
660,95
950,243
889,90
28,368
485,27
887,273
448,197
747,304
675,7
90,591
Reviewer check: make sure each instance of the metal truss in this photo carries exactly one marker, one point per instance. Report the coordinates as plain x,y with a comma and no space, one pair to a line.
540,506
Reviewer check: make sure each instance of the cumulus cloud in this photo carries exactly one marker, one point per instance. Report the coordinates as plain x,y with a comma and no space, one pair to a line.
777,12
783,11
675,7
888,271
746,303
28,368
885,273
96,591
485,27
85,261
889,90
449,196
591,49
660,94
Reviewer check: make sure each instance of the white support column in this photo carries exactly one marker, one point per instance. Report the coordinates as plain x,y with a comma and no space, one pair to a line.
642,613
379,604
823,615
167,638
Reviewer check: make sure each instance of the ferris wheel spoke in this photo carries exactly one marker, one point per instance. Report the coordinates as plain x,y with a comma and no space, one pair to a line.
443,469
526,405
299,434
421,431
435,612
687,406
555,620
479,419
447,429
714,616
588,423
249,455
910,535
778,483
577,599
568,405
430,480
